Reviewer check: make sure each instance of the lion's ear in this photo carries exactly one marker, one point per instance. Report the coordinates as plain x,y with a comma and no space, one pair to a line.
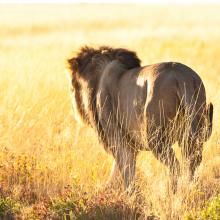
73,64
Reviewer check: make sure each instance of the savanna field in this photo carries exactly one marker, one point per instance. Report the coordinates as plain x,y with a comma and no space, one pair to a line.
50,167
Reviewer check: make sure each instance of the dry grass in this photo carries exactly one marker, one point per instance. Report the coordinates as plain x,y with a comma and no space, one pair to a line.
46,168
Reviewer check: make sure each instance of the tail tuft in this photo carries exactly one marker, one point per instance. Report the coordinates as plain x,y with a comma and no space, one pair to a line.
210,118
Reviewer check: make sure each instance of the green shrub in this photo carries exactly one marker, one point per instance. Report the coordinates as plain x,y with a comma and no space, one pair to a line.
67,208
8,208
211,211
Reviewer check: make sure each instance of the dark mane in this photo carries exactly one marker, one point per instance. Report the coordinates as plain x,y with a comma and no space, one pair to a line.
87,54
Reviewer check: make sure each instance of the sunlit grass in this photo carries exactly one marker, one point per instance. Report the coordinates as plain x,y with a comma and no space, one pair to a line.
42,154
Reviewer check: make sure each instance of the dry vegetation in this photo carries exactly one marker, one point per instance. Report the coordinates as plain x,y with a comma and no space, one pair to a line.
49,169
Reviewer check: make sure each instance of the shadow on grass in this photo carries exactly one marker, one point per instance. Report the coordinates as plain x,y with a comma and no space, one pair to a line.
102,206
113,211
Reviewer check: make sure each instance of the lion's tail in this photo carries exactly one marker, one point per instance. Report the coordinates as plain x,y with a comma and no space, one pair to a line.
209,113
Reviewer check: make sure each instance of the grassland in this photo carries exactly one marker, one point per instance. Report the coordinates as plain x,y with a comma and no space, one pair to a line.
51,169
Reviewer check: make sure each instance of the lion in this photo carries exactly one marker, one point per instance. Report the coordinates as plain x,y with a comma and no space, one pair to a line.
134,108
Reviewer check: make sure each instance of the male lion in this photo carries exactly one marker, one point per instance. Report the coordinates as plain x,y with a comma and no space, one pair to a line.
137,108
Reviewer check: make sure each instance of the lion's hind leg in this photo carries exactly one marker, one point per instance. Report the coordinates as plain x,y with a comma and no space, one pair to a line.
125,159
114,180
192,148
191,142
163,151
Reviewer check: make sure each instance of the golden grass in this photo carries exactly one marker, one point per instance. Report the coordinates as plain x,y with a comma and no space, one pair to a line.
40,150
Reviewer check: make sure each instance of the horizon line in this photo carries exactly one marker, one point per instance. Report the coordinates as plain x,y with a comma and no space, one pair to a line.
184,2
